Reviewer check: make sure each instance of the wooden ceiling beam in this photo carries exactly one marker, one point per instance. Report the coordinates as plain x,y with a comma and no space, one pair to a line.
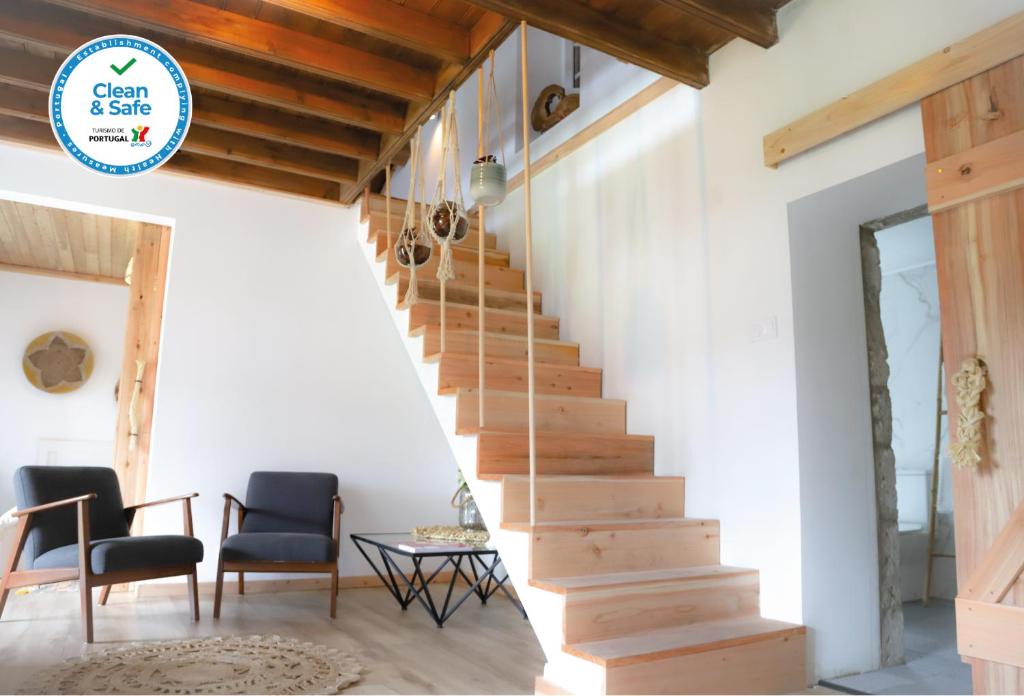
753,20
394,147
581,23
56,29
25,131
266,41
264,122
390,22
30,104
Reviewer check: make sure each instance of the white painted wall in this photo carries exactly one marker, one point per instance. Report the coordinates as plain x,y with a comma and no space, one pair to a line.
663,245
277,353
32,420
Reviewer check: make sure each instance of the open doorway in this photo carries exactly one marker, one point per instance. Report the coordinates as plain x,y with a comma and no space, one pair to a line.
81,305
913,477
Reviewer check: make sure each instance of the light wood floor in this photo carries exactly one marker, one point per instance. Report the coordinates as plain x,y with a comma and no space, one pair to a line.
482,649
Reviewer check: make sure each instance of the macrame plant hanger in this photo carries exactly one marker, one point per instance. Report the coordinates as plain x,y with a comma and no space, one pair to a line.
413,247
447,216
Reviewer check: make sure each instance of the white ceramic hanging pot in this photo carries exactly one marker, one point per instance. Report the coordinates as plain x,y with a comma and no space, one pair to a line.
488,183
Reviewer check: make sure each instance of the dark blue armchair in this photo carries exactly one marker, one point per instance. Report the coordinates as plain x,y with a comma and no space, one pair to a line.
290,523
73,525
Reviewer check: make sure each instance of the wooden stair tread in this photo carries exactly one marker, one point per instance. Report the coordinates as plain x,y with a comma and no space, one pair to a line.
468,293
682,640
508,361
563,434
608,525
491,311
466,253
434,357
586,583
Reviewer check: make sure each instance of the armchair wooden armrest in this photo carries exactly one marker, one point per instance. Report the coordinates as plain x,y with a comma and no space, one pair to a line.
339,507
228,501
54,504
186,509
162,501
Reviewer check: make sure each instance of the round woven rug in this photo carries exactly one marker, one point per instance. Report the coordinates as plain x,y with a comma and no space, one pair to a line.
233,665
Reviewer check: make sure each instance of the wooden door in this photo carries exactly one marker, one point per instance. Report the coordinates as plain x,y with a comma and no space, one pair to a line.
974,141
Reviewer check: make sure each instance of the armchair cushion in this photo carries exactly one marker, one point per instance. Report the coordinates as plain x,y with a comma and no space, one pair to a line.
52,529
278,547
127,553
290,502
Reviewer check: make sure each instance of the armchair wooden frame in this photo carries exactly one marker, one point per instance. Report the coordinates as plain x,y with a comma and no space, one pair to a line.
243,567
87,580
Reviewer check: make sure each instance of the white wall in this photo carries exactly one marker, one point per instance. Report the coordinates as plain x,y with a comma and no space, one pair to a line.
30,419
663,244
277,353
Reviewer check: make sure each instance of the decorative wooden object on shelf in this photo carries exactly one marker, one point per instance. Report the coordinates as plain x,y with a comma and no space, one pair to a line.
552,105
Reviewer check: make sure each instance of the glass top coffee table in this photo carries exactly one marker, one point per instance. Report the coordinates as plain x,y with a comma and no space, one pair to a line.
479,560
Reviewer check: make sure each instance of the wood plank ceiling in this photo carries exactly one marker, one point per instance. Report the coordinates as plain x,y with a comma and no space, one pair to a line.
315,97
50,241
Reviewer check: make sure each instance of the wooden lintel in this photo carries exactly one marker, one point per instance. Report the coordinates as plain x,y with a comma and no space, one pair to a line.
64,275
975,54
993,167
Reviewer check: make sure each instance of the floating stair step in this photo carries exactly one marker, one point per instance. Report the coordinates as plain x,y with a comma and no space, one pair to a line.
511,375
496,277
621,604
506,410
599,547
460,252
462,316
377,203
496,346
741,655
378,224
562,498
507,453
464,293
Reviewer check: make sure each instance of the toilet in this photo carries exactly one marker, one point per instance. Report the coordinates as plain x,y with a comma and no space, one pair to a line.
912,492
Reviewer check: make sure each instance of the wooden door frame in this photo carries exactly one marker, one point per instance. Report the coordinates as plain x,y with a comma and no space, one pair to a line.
141,343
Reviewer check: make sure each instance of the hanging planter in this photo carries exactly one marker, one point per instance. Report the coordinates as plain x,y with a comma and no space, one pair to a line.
410,240
441,221
446,218
488,181
413,248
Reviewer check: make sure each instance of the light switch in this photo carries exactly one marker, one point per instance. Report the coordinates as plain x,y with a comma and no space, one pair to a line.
766,329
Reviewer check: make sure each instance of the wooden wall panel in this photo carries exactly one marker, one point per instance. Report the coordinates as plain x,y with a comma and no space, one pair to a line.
980,262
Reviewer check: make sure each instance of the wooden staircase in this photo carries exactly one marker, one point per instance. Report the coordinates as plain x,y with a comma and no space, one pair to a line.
645,605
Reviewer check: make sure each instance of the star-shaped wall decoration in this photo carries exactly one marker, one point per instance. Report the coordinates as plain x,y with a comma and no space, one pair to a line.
57,362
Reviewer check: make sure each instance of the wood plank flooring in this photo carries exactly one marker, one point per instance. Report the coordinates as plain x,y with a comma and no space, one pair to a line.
482,649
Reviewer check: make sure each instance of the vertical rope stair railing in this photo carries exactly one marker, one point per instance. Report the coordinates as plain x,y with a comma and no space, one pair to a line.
528,237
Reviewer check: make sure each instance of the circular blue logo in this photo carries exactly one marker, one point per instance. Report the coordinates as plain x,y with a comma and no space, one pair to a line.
120,105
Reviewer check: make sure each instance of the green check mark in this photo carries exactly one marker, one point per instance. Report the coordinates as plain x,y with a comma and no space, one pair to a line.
122,70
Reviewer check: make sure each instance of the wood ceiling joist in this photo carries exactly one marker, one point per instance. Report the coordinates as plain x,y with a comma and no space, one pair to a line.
55,28
27,103
23,130
302,131
267,42
489,36
748,19
581,23
388,21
